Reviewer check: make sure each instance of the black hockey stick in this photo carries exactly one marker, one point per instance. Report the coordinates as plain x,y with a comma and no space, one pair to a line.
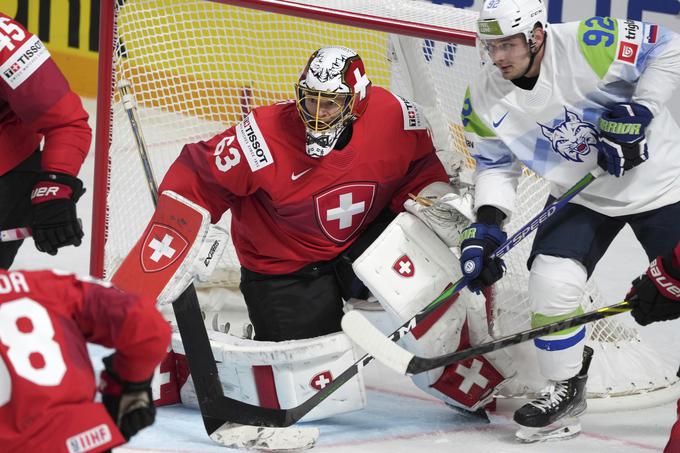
404,362
455,288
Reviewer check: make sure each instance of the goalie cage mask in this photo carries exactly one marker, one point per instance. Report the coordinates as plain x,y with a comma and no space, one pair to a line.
332,91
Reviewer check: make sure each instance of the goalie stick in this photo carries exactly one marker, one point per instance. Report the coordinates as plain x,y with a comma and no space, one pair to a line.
404,362
225,419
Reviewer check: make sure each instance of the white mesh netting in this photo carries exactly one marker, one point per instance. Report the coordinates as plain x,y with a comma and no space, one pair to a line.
198,66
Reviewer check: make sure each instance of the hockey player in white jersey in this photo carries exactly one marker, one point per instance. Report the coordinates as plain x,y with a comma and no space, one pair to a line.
562,99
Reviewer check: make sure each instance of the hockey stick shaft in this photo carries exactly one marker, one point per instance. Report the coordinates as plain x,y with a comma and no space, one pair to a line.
405,362
422,364
15,234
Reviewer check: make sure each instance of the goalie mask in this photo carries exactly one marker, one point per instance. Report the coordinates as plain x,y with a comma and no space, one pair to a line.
503,19
332,91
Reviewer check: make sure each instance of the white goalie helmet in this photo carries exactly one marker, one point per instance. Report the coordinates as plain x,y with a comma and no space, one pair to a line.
332,91
504,18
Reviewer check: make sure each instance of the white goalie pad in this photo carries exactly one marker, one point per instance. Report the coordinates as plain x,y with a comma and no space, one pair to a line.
408,267
178,245
281,374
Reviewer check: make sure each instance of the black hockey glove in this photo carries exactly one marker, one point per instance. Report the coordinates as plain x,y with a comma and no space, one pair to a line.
54,221
129,404
655,296
623,144
477,243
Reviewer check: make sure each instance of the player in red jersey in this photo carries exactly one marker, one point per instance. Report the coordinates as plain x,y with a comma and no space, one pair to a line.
655,296
310,183
39,189
47,384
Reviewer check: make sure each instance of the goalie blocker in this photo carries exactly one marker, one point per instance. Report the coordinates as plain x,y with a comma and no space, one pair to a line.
406,268
178,245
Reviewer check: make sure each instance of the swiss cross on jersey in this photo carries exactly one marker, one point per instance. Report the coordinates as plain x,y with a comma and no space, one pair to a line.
162,246
342,210
404,266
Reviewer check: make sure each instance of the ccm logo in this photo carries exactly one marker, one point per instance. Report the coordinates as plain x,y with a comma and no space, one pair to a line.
662,281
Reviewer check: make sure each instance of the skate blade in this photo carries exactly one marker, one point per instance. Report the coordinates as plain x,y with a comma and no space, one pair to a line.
263,438
560,430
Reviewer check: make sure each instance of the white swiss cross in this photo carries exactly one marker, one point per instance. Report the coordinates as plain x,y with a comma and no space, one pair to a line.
471,376
159,379
404,267
322,381
345,211
161,249
361,83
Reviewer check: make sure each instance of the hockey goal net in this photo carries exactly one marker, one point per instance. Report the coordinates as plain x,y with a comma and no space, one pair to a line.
197,66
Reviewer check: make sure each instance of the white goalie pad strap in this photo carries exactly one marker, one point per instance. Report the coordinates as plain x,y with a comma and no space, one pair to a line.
444,212
178,245
283,374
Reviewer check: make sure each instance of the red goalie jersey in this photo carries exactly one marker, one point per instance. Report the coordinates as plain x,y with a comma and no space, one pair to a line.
289,209
47,384
35,103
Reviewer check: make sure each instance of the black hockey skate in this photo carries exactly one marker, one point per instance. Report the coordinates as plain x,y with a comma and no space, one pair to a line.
554,415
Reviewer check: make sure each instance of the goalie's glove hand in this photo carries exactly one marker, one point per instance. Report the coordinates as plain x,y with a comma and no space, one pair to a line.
655,296
447,215
478,242
129,404
623,144
54,221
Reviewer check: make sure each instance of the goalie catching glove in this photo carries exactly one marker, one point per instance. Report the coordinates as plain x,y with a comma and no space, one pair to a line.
54,221
623,144
655,296
129,404
444,212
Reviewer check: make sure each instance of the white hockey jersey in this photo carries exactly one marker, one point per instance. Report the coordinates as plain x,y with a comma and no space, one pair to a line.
587,66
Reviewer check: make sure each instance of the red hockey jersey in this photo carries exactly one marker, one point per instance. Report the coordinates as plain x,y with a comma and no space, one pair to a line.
47,384
35,103
289,209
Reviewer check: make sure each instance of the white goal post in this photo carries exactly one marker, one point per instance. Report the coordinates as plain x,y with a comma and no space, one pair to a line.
198,66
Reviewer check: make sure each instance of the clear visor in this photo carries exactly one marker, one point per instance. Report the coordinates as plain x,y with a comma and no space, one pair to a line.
322,110
511,47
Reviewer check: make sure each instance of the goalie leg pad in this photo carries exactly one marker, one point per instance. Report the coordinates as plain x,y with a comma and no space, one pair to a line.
406,268
282,374
556,287
178,245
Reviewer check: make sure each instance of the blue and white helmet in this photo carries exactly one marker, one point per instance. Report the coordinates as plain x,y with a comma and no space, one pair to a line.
504,18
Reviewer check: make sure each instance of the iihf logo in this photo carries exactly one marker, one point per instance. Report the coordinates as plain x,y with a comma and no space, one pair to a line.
573,138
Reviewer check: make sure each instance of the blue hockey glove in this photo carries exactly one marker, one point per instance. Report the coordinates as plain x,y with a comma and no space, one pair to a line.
478,242
623,144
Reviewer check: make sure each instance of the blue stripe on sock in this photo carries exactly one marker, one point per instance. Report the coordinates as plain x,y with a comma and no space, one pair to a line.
558,345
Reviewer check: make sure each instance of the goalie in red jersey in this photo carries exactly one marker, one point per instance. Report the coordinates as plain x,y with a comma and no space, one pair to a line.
47,384
310,183
38,188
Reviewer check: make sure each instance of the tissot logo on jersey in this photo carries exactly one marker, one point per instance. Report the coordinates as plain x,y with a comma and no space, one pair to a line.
253,144
413,117
342,210
162,247
24,62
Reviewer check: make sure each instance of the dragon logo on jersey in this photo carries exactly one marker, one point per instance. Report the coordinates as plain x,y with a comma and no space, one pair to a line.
342,210
573,138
